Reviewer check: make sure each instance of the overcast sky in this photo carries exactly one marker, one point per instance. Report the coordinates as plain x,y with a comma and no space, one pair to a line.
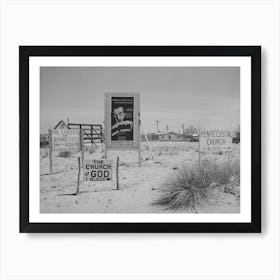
209,96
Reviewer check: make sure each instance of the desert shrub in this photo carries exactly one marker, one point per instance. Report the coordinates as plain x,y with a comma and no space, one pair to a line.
191,186
187,188
225,173
65,154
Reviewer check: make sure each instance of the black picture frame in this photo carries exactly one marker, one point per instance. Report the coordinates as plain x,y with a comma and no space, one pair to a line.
254,52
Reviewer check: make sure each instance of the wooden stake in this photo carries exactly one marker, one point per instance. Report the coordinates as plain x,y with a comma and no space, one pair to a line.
199,159
79,171
147,141
50,150
82,146
117,172
229,158
229,153
139,155
82,150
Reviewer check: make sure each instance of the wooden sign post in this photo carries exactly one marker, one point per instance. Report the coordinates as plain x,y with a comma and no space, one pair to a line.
147,141
215,141
79,171
139,156
82,147
65,140
117,172
199,155
50,150
229,153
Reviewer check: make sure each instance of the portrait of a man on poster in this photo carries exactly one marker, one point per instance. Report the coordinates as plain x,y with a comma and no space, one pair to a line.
122,119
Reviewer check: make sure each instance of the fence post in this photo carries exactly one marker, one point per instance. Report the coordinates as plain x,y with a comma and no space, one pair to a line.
229,153
199,156
79,171
101,135
82,146
147,141
117,172
139,155
50,150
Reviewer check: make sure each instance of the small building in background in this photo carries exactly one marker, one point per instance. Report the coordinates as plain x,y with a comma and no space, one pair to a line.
173,136
163,136
154,137
61,125
170,136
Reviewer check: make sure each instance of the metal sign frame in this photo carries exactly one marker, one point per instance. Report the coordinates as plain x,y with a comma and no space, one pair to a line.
136,123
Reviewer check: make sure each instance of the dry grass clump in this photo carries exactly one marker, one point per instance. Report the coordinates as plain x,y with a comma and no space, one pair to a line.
186,189
192,186
226,173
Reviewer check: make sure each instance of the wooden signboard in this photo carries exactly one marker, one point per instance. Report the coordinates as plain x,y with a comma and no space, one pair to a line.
66,140
98,170
215,140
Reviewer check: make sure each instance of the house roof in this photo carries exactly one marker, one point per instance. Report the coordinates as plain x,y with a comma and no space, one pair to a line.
61,124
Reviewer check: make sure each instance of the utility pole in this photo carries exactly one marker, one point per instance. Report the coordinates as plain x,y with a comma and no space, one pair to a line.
157,122
167,128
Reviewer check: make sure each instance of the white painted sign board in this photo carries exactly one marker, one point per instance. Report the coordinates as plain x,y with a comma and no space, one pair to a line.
215,140
66,140
98,170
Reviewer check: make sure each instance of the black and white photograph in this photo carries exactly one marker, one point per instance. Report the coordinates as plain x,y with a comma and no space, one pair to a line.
134,140
189,139
140,140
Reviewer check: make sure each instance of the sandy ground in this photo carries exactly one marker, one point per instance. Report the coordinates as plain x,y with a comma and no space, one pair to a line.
139,186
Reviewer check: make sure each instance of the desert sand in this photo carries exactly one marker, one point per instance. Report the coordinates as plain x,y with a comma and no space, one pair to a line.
139,186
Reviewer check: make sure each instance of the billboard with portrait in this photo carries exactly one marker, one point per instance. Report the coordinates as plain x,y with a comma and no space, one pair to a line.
122,120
